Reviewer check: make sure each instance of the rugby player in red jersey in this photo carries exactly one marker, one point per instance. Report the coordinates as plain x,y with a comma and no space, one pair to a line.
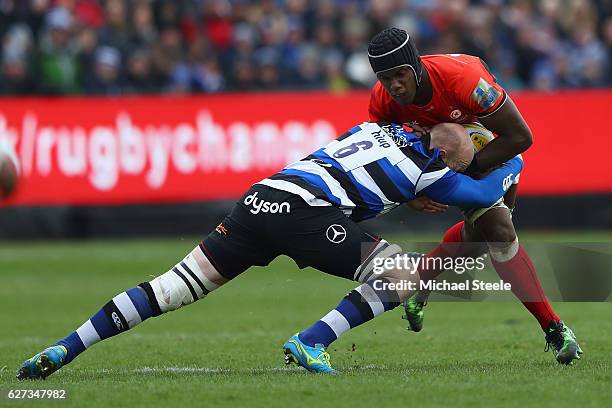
424,91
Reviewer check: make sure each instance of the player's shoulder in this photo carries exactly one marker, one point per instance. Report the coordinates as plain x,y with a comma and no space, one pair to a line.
450,62
463,77
452,67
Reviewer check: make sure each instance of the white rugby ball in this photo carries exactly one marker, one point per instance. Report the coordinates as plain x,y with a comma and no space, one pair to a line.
480,135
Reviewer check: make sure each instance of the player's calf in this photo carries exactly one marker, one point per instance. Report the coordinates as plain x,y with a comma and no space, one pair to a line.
379,293
188,281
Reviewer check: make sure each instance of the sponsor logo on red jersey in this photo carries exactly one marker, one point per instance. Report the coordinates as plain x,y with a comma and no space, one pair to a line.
485,94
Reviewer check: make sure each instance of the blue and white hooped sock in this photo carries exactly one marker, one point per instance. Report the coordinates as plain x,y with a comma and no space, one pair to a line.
358,307
123,312
188,281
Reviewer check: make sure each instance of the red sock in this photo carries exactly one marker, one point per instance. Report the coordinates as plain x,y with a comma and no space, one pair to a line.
521,274
453,237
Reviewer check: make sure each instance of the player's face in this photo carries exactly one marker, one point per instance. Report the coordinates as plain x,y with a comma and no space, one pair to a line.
400,83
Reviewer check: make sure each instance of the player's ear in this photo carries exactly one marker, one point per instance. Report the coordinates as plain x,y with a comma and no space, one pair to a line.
442,153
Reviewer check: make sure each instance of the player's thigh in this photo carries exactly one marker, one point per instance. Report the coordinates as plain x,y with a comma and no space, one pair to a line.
238,243
326,239
474,243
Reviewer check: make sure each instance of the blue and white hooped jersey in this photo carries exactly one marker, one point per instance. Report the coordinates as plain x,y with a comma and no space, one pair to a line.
367,171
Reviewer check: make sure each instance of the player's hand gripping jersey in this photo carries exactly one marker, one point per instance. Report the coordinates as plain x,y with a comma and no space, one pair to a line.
372,169
463,91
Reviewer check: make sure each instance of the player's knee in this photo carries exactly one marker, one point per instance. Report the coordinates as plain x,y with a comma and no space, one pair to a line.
502,233
503,251
188,281
377,261
387,270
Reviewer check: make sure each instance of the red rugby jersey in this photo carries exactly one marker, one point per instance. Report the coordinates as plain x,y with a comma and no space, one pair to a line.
463,91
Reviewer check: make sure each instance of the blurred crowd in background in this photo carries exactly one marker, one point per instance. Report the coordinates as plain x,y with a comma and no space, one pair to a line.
116,47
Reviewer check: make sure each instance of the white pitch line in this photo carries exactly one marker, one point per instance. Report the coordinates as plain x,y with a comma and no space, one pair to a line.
145,370
218,370
207,370
178,370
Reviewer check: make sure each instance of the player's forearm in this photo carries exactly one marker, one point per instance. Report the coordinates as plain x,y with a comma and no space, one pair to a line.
514,137
501,150
469,192
493,187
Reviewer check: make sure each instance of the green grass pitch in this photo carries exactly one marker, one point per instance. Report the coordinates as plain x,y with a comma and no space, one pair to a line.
226,349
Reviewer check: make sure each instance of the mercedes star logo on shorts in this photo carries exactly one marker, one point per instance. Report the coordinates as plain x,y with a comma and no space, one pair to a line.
336,233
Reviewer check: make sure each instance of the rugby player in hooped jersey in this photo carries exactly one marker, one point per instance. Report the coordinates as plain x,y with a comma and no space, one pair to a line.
433,89
310,212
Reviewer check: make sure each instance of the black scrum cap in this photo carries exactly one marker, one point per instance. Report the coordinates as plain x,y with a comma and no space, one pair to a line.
392,48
